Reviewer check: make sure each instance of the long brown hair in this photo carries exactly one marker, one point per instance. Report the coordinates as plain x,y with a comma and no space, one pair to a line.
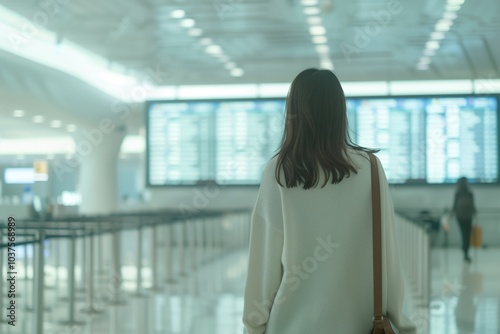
316,131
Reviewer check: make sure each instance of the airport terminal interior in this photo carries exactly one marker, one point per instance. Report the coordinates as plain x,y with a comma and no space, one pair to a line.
134,134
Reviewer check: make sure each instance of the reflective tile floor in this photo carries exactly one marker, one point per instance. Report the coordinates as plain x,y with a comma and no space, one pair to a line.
465,299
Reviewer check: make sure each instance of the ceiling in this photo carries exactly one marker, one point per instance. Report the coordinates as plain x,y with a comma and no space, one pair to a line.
270,40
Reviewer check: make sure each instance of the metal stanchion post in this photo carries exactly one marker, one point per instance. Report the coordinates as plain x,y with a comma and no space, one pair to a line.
26,276
169,237
116,274
138,292
154,258
208,239
39,285
100,250
90,275
192,243
181,245
199,242
71,282
83,273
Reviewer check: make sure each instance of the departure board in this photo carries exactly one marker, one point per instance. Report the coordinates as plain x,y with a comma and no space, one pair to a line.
397,128
462,139
428,140
224,141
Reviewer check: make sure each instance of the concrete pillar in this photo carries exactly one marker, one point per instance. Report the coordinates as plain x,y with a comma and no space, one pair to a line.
97,151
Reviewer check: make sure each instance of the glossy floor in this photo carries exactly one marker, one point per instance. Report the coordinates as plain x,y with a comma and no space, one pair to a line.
465,299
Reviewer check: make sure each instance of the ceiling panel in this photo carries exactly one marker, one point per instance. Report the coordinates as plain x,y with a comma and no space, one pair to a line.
272,37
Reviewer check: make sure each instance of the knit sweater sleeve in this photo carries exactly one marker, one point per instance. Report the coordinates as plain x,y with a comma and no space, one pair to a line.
266,246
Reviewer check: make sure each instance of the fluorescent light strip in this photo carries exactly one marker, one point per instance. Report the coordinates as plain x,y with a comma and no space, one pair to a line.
317,30
314,20
72,59
311,10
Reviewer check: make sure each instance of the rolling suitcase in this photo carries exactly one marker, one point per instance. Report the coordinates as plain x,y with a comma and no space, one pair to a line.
476,237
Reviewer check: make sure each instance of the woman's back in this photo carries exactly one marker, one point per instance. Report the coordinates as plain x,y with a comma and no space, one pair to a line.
310,265
323,239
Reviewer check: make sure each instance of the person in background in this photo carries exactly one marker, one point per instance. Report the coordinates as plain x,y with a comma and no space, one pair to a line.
310,259
464,211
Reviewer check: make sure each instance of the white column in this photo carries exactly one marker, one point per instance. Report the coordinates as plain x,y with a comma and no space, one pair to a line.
97,153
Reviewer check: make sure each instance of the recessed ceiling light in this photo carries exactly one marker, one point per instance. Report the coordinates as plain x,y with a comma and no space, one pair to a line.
38,119
322,48
432,45
425,60
455,2
56,123
71,128
309,2
187,23
449,16
213,49
443,25
437,35
314,20
229,66
237,72
195,32
429,52
18,113
311,10
178,14
422,67
319,39
317,30
205,41
222,57
327,65
452,8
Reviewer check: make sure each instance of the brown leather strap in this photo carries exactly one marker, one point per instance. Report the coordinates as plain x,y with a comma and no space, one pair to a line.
377,239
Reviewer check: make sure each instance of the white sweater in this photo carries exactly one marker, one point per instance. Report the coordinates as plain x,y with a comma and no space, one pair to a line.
310,262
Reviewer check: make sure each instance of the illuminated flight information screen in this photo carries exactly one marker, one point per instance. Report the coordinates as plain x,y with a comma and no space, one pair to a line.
421,139
462,139
397,128
226,141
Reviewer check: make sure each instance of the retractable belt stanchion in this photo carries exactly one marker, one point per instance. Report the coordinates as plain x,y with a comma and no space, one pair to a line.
169,256
39,285
26,275
154,258
210,244
182,251
138,292
100,250
199,241
83,268
90,275
191,225
71,281
116,273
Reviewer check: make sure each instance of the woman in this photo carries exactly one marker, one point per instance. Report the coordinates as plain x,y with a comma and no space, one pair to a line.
465,210
310,262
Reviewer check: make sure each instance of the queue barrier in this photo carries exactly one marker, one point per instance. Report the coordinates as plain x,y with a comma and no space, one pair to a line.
414,251
189,242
